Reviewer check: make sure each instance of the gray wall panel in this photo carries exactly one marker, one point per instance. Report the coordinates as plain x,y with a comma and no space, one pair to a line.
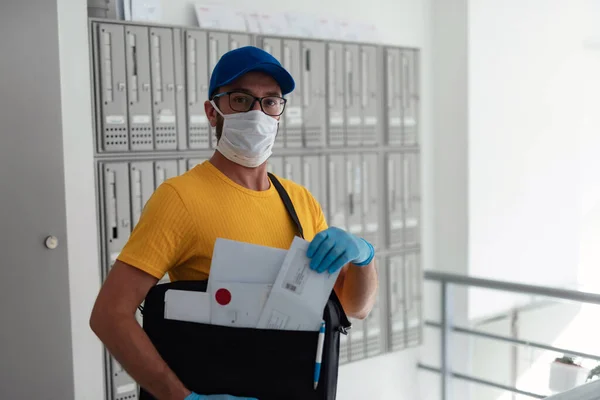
35,337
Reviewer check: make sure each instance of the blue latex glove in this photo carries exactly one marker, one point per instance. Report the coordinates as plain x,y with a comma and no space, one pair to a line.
333,248
195,396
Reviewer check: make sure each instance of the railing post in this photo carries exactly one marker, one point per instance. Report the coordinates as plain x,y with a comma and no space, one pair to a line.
514,334
446,327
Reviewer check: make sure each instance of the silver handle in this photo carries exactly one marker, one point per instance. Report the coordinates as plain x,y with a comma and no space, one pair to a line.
333,186
406,83
393,289
364,78
306,78
406,183
156,50
134,90
350,187
331,77
289,171
349,74
191,50
214,52
365,187
392,185
408,273
108,76
287,57
391,88
137,195
161,176
111,212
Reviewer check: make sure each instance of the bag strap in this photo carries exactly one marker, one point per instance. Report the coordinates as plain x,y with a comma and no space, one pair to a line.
289,206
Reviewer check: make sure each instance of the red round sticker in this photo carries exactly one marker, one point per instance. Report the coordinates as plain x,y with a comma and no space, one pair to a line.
223,296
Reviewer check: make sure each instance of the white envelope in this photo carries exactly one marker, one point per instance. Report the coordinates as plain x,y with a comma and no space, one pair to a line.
244,262
286,314
299,294
237,304
185,305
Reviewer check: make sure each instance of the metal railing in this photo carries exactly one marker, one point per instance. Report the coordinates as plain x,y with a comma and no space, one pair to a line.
447,281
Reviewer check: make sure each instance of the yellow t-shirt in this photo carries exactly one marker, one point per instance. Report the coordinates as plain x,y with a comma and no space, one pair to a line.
181,221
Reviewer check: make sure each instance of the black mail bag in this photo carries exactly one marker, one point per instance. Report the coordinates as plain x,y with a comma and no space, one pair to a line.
263,363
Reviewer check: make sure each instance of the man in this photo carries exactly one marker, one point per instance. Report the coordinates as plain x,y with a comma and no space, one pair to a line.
231,197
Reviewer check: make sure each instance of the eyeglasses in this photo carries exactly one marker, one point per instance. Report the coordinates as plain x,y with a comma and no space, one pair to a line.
243,102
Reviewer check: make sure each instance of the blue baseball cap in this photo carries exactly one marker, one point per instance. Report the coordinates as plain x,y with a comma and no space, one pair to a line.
238,62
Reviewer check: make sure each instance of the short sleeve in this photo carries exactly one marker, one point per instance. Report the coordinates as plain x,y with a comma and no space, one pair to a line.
164,236
319,218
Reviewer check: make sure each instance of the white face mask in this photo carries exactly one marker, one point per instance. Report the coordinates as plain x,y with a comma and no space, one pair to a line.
247,137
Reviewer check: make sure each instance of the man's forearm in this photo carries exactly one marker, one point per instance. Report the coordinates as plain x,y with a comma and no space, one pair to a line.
359,290
128,343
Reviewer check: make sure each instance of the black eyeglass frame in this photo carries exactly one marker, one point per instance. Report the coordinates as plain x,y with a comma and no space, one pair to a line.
259,99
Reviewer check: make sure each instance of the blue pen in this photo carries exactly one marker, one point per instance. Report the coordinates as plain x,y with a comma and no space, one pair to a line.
319,354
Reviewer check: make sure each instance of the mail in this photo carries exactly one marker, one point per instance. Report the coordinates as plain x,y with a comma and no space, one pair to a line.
238,304
252,286
244,262
183,305
299,294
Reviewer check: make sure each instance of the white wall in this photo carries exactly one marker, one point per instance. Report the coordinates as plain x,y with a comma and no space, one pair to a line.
381,378
447,38
525,132
534,197
400,22
450,110
82,228
589,143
